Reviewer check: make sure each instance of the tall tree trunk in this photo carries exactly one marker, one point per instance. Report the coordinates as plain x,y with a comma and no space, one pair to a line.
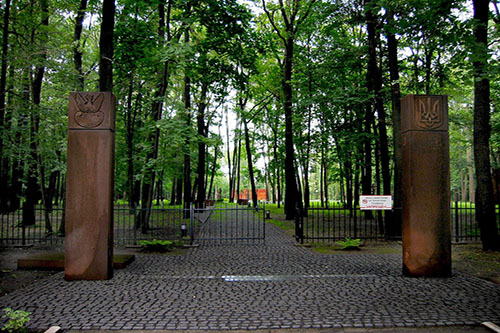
250,163
77,53
322,163
187,142
129,136
325,185
156,113
178,188
238,169
4,161
392,49
173,192
291,192
202,133
485,205
212,176
470,177
32,189
374,78
230,166
106,46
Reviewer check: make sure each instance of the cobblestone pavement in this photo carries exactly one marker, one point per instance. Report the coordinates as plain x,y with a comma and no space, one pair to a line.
266,286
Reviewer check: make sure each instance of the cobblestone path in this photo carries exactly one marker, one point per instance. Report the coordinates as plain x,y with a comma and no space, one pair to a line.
258,286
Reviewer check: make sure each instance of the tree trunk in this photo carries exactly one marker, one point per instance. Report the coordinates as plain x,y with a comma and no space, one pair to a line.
187,141
106,46
392,49
156,114
374,78
325,185
250,163
291,193
322,163
173,192
485,205
4,161
238,169
470,177
277,162
214,169
200,119
77,53
32,189
230,166
178,188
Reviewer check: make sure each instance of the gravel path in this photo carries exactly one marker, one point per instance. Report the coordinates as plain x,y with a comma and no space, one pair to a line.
267,285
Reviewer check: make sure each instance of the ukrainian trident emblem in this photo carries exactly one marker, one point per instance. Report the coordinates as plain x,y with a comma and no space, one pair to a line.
428,113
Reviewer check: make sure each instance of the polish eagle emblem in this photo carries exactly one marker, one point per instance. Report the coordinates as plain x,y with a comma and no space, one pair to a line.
89,114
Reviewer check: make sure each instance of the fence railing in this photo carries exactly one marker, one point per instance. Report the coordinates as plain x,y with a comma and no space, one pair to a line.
325,224
318,224
219,223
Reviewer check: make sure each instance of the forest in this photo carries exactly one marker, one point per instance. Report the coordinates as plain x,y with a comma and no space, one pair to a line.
301,98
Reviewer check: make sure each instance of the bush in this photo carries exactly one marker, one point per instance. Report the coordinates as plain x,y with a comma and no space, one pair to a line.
17,319
350,244
156,245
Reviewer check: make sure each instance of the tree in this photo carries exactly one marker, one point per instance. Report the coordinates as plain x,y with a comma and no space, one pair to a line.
293,15
106,46
485,205
4,162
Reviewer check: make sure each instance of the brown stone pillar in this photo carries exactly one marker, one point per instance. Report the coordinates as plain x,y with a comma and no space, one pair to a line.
426,186
89,187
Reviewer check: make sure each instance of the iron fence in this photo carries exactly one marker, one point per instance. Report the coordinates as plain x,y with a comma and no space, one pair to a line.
327,224
215,223
230,223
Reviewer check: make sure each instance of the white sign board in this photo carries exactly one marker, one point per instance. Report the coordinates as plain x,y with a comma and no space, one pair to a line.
375,202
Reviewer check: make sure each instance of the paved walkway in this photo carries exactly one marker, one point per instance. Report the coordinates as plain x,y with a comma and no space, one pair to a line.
275,285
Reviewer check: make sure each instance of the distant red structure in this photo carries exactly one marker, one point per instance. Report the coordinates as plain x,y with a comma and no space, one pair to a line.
261,194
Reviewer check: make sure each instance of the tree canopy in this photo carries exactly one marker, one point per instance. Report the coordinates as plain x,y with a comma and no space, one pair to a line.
298,97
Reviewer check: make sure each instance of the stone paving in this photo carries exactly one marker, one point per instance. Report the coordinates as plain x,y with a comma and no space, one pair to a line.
271,285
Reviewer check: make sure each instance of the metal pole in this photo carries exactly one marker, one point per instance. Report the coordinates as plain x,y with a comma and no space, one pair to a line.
134,226
264,222
191,220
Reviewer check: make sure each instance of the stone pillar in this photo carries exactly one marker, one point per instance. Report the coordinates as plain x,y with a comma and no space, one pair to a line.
89,187
426,186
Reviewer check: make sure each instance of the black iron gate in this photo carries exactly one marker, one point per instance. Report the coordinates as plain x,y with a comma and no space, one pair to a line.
228,223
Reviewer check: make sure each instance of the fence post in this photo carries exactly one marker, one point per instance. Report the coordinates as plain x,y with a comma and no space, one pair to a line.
135,223
457,229
264,222
299,227
191,221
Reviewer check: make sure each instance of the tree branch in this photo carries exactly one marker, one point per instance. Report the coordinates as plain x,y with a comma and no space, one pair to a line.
271,19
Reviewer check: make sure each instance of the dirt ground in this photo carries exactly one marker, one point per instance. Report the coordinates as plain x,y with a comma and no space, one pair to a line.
467,258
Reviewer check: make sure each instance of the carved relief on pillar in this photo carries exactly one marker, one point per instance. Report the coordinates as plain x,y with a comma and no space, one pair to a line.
91,110
429,113
89,114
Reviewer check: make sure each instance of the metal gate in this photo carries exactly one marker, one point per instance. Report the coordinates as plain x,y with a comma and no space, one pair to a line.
226,223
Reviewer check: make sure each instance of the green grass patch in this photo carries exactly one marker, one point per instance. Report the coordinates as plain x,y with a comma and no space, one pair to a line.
373,248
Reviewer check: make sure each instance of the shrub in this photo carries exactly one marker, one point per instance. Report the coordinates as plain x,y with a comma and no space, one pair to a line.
17,319
156,245
350,244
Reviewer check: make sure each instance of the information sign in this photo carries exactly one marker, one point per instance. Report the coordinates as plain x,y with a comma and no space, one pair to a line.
375,202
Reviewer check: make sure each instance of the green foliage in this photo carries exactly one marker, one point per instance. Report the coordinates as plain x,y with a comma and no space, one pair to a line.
16,320
156,245
350,244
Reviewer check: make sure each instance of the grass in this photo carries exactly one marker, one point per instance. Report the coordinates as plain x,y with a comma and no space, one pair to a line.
367,247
